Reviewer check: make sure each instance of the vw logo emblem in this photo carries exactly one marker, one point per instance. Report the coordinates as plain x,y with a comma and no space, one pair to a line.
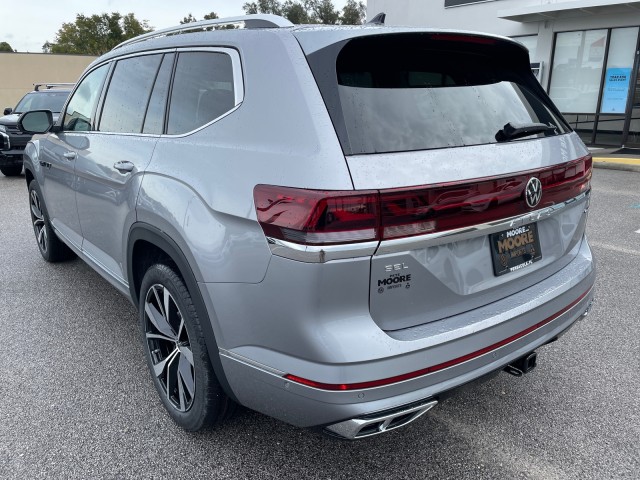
533,192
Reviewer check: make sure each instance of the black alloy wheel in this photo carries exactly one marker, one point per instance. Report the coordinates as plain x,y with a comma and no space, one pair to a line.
177,353
169,347
39,222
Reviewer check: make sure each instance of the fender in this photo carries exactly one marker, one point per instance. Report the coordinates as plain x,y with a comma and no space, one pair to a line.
146,232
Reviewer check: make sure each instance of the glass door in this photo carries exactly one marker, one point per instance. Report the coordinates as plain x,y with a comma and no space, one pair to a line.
633,134
617,87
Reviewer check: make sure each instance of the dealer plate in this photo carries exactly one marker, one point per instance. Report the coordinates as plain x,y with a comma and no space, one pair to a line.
515,249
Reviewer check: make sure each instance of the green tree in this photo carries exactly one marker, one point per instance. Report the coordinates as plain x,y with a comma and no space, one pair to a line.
188,19
353,13
322,11
263,6
5,47
304,11
96,34
295,12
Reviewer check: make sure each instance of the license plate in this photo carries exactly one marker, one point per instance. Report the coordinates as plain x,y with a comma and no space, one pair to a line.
515,249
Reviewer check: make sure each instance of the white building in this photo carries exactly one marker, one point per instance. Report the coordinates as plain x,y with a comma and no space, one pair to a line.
587,52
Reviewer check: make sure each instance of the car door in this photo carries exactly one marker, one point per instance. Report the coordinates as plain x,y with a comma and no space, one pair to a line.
58,156
109,171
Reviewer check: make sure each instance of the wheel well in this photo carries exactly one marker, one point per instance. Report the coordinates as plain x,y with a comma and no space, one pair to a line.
28,176
149,245
145,254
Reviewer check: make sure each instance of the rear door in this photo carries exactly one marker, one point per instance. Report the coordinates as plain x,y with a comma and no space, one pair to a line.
109,170
483,185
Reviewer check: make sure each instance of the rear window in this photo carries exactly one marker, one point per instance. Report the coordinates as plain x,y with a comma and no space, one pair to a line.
405,92
42,101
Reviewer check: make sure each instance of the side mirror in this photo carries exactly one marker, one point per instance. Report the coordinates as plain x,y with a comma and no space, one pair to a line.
36,121
7,111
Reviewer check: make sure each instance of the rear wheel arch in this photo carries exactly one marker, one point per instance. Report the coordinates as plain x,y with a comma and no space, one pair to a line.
148,245
28,175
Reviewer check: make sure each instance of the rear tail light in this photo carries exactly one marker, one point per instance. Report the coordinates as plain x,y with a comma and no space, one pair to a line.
316,217
325,217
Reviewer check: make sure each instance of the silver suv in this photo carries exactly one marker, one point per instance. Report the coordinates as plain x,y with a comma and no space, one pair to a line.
335,226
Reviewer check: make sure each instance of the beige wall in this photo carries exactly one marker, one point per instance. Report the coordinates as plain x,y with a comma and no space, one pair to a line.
19,71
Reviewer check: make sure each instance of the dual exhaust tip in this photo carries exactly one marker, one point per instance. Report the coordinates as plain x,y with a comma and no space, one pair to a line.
377,423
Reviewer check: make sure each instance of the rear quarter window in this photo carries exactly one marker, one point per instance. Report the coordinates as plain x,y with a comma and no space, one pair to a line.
203,90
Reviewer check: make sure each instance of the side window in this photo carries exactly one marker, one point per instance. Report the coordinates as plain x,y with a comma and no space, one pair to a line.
202,90
80,110
154,121
128,94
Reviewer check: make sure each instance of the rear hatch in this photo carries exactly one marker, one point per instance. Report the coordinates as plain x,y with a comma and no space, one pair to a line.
483,187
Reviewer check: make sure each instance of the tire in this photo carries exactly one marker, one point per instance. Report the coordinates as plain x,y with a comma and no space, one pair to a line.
176,352
11,170
51,247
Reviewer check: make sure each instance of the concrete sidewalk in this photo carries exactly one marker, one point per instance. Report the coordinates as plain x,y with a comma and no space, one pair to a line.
610,158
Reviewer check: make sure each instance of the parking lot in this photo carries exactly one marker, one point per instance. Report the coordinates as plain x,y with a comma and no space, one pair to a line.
76,400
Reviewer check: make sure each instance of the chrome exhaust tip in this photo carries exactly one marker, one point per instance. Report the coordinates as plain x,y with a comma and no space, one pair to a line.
376,424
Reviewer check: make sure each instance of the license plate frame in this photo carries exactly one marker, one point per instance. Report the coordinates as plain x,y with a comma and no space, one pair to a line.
515,249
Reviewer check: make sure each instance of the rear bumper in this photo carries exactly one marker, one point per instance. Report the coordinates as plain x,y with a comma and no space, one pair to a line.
543,312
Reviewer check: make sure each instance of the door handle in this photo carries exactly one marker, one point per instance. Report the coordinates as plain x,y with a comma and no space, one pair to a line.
69,155
124,166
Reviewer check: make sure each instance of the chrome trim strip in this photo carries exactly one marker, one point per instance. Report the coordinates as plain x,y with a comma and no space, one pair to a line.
466,233
320,254
240,358
238,88
326,253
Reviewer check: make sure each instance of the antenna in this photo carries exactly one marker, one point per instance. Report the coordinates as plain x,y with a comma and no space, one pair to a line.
378,19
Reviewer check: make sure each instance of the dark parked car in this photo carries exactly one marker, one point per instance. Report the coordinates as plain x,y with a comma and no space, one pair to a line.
52,97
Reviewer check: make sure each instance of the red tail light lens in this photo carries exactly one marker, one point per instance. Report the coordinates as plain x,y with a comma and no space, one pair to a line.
318,217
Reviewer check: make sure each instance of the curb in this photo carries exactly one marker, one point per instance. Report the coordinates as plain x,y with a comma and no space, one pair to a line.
611,163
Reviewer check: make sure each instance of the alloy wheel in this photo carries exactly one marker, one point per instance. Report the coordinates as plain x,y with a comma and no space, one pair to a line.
37,217
169,347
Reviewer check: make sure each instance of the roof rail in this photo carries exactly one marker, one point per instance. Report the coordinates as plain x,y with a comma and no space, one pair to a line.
250,21
37,86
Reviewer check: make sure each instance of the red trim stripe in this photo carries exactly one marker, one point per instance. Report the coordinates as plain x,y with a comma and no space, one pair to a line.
433,368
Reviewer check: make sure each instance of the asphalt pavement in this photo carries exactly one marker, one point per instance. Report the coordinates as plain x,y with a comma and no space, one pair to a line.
76,400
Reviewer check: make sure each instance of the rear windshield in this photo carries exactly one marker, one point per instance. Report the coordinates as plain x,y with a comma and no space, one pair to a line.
406,92
42,101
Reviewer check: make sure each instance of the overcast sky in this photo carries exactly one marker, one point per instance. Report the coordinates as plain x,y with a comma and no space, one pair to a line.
39,20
